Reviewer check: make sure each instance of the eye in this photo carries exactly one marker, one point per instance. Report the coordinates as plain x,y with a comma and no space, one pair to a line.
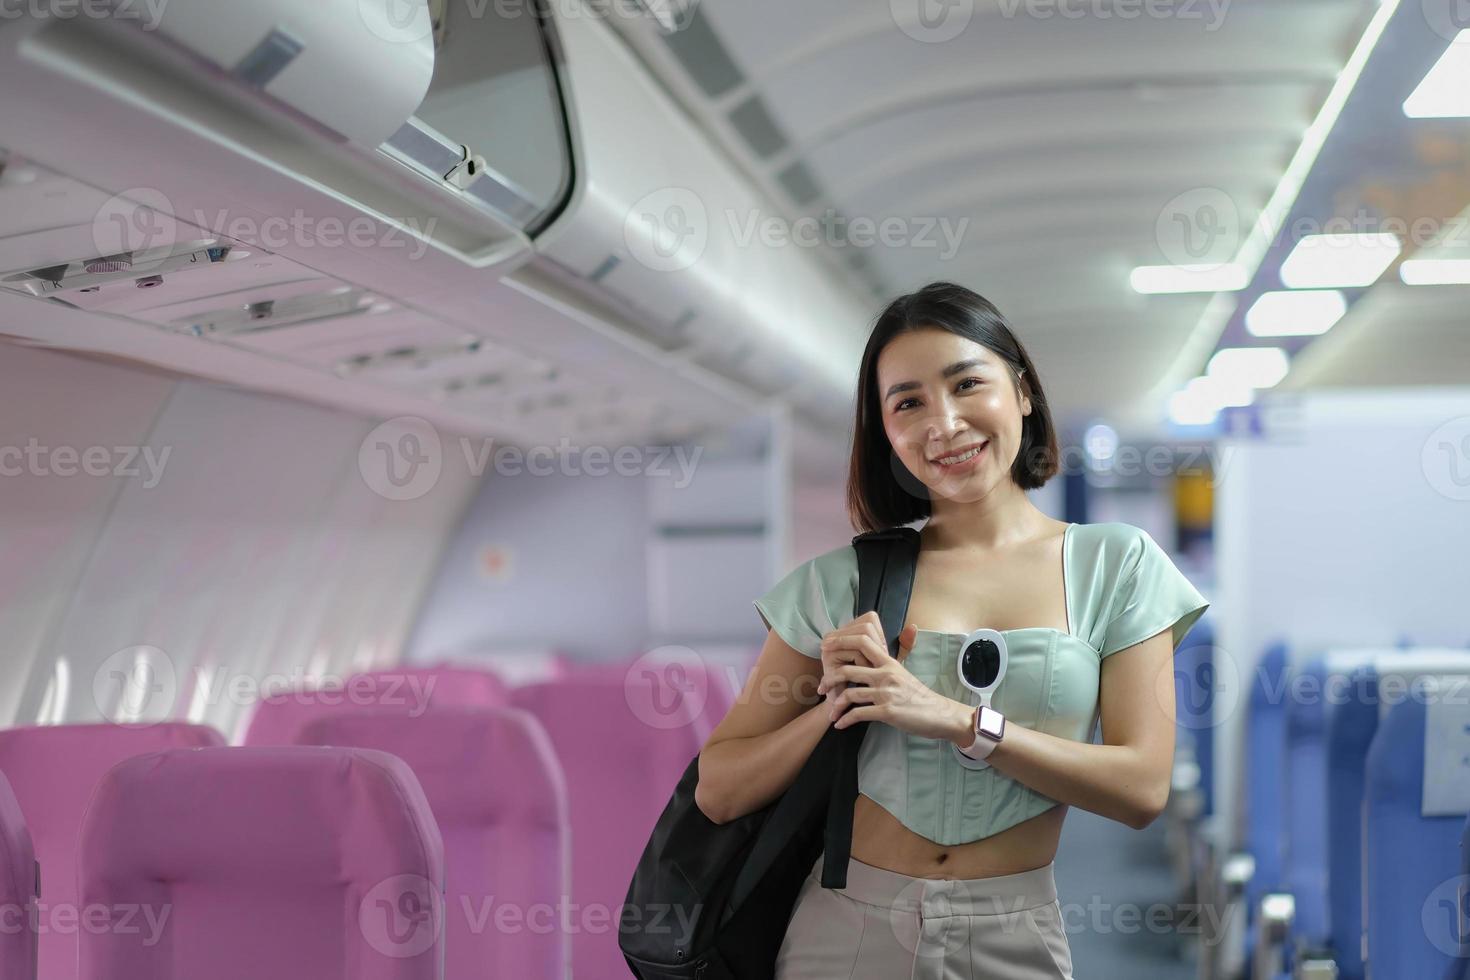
959,387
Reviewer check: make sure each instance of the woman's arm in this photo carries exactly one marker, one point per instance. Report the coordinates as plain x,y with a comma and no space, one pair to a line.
1127,777
755,753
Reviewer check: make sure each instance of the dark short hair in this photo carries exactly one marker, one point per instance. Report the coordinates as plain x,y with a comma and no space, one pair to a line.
881,493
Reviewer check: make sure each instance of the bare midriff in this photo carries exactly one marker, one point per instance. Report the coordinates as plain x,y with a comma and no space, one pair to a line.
879,839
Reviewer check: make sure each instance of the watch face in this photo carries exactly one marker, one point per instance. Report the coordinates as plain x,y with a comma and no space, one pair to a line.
991,723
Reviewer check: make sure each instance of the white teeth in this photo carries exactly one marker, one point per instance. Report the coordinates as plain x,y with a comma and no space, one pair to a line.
951,460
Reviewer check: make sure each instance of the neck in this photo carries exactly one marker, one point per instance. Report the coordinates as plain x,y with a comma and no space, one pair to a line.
1002,517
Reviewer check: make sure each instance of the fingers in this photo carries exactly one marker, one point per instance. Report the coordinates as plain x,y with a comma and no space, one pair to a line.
856,695
853,674
868,624
859,648
851,696
836,678
867,712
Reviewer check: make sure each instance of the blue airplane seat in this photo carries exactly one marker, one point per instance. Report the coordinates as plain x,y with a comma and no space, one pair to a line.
1265,780
1350,729
1196,683
1305,871
1416,918
1460,970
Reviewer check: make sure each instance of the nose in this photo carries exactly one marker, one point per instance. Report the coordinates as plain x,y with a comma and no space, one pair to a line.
944,423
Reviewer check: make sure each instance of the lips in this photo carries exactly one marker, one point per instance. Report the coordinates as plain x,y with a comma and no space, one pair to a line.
949,458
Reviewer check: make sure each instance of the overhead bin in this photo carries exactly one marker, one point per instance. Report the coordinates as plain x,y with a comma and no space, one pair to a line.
348,66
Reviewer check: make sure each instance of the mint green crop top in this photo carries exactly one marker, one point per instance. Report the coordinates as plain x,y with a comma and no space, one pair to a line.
1121,588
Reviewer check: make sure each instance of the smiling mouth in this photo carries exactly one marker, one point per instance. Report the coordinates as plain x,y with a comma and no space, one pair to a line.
962,456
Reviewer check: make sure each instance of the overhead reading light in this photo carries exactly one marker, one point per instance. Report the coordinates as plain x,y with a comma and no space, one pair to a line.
1300,313
1152,279
525,371
1255,367
93,272
1330,261
271,314
1435,272
1445,91
420,356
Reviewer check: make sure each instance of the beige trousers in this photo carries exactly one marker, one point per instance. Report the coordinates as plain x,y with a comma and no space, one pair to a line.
888,926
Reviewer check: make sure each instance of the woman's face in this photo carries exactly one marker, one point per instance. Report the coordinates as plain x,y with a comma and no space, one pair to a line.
954,395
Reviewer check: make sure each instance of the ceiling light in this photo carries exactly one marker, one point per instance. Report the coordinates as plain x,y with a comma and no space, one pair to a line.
1273,216
1228,277
1255,367
1224,392
1101,441
1200,401
1435,272
1185,410
1445,91
1326,261
1295,314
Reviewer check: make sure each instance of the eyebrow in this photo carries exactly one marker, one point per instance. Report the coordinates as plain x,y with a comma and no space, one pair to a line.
954,368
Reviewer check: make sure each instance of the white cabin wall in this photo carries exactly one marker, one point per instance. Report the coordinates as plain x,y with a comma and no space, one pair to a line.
1345,525
255,551
575,580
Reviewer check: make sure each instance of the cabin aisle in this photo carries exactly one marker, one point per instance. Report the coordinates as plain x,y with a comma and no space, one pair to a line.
1112,881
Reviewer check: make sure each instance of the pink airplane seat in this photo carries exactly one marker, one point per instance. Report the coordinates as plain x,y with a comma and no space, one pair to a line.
497,792
678,685
53,770
620,765
268,863
20,881
278,719
447,686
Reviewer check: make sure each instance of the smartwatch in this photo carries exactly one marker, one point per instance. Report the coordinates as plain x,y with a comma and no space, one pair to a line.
990,728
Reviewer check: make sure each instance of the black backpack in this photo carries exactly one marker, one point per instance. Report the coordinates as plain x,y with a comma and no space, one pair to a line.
712,901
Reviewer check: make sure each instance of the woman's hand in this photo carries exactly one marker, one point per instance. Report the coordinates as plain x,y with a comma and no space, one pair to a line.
869,685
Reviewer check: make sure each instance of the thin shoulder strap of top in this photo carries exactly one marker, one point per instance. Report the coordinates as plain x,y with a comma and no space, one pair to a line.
886,563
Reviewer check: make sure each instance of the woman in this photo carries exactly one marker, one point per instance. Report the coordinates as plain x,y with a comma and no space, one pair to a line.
951,865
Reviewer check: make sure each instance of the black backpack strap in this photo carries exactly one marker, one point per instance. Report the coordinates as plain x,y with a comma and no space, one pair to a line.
886,563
